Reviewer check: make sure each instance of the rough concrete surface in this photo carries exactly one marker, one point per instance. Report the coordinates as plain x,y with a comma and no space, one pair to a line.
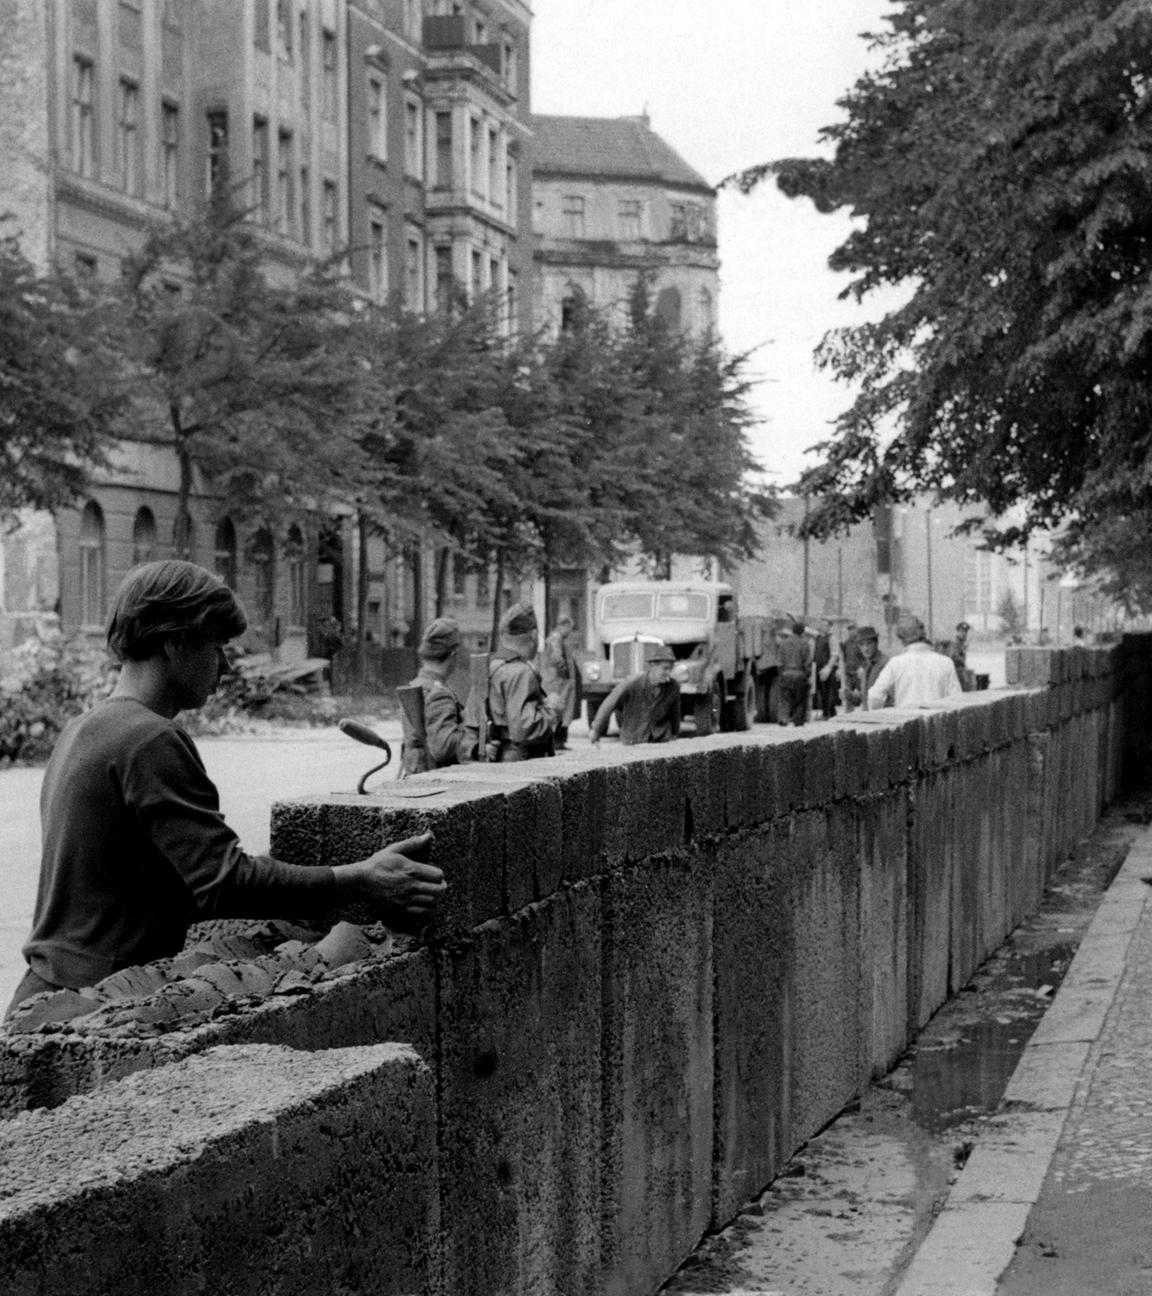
241,1170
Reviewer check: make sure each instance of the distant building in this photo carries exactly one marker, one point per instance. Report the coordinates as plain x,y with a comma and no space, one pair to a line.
613,200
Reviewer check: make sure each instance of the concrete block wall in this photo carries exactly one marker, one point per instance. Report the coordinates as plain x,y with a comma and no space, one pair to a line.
661,971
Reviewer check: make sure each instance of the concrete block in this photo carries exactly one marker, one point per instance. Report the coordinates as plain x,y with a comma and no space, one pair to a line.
930,857
819,771
658,1070
823,884
753,952
879,742
761,798
533,842
286,1171
583,807
851,762
788,764
298,832
882,828
520,1094
900,758
703,774
1012,666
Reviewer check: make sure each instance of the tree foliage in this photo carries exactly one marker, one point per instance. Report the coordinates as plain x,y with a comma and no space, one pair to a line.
259,384
56,404
999,164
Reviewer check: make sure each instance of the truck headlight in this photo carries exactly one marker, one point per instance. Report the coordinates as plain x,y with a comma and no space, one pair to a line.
592,671
682,672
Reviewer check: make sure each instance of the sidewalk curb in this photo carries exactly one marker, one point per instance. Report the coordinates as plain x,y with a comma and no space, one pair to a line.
974,1237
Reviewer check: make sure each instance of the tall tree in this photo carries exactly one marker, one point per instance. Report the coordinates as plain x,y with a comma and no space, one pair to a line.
1000,167
56,402
259,384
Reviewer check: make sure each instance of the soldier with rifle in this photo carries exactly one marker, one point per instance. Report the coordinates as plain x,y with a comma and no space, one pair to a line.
521,718
435,734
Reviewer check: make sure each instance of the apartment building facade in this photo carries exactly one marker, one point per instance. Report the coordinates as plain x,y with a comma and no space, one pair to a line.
392,131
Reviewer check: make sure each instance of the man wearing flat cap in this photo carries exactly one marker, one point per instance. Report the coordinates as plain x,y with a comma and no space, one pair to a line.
523,719
870,662
447,739
648,704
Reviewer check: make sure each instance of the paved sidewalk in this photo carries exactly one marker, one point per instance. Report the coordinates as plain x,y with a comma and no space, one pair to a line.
1056,1197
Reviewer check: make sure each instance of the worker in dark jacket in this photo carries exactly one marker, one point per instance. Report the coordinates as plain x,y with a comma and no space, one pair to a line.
447,739
523,719
648,705
795,658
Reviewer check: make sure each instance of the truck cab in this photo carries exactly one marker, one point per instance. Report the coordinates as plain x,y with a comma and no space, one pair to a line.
716,650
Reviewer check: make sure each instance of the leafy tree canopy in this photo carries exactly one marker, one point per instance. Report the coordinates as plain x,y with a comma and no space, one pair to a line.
56,405
1000,167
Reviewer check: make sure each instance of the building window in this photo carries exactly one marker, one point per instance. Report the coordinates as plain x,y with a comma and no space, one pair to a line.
328,40
224,552
679,222
573,212
261,558
143,537
511,185
479,32
260,169
170,154
413,275
217,154
85,265
511,67
445,277
513,300
305,206
285,198
476,278
260,29
297,602
377,118
305,48
183,537
413,141
128,137
378,233
83,138
705,305
284,29
493,166
493,273
443,150
483,586
329,217
92,567
475,144
629,216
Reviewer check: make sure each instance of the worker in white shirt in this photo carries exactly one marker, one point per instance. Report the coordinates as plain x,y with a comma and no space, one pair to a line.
918,677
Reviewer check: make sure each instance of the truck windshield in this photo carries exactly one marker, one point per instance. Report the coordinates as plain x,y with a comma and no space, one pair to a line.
682,607
627,607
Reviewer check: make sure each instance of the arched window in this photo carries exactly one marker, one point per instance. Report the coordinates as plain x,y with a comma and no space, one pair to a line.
294,555
668,307
143,537
92,567
183,537
224,551
261,556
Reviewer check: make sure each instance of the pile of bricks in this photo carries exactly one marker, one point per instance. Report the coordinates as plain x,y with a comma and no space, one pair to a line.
214,975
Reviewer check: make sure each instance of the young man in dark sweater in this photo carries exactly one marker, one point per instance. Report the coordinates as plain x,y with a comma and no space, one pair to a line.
134,846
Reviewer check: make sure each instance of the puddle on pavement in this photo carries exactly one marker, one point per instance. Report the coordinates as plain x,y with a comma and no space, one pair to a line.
956,1073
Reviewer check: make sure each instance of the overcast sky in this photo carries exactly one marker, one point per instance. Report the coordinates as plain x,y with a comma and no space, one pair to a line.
729,83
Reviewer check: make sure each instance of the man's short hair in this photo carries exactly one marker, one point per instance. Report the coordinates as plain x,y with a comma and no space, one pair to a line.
173,599
565,623
910,629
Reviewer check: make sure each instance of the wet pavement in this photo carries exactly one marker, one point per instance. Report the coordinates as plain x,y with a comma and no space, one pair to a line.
853,1209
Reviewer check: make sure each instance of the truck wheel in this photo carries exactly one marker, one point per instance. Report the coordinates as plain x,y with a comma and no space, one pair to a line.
744,708
709,709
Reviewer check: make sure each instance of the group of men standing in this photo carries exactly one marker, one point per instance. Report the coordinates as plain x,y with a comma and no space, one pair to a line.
856,674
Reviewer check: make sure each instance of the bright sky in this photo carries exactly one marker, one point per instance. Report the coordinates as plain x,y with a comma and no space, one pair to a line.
730,83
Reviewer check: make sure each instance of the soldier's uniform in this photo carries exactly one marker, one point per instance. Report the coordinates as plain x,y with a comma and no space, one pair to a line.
447,739
522,723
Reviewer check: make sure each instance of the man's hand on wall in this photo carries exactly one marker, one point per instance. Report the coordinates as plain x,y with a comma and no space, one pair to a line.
399,877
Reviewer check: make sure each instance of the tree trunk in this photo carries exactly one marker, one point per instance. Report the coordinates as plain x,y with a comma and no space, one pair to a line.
497,598
361,598
416,628
184,491
442,556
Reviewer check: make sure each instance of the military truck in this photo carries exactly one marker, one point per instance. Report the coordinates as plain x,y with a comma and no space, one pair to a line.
726,663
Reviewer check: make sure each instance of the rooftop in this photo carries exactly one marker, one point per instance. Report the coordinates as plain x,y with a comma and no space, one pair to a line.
621,147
